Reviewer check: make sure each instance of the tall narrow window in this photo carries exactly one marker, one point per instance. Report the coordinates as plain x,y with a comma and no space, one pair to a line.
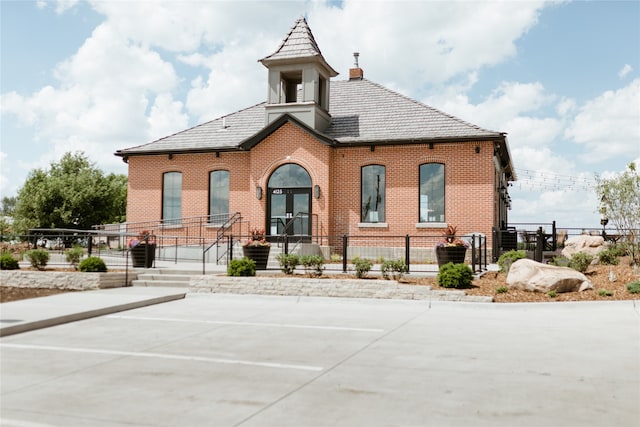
432,192
218,197
171,198
373,194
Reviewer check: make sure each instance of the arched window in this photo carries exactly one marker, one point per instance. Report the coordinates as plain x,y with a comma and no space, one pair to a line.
290,175
373,199
432,192
171,197
218,196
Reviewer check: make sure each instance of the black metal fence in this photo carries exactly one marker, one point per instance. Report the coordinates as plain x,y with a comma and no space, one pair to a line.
115,247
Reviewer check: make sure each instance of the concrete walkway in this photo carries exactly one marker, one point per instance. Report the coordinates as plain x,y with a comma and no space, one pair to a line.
36,313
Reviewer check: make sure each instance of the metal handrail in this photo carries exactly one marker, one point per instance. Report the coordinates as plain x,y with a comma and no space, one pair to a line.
284,235
222,230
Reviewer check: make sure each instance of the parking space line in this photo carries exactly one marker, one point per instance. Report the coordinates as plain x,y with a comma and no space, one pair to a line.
233,323
162,356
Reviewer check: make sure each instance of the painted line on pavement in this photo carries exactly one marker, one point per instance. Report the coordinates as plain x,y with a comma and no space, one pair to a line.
225,322
162,356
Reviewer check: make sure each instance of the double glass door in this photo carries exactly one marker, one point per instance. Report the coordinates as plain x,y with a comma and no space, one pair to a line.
289,208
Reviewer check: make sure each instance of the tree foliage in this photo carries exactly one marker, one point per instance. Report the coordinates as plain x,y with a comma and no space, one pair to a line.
70,194
620,203
8,206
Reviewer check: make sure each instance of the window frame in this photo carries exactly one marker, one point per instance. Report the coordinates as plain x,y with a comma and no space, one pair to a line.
437,221
218,219
174,221
363,217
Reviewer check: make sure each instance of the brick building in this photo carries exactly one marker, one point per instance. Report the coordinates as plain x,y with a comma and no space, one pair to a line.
341,157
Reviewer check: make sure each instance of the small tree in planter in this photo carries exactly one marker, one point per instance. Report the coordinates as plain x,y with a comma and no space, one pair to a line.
451,248
257,248
143,249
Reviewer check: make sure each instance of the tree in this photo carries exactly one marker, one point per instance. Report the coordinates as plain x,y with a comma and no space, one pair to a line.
8,206
620,204
70,194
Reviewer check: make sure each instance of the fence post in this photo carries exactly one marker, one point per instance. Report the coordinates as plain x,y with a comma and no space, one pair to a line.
539,245
286,244
406,252
473,253
344,253
485,253
554,240
230,248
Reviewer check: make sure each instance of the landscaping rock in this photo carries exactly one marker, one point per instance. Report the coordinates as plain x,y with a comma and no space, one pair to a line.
591,245
530,275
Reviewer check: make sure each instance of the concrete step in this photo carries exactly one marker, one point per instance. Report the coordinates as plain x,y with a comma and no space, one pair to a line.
182,277
164,278
160,283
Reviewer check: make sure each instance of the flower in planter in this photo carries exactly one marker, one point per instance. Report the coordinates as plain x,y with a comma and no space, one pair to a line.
450,239
143,238
257,237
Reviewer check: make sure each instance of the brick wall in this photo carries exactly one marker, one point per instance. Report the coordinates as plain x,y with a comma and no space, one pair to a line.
469,194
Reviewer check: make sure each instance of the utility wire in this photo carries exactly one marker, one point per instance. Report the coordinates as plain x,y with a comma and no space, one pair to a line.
529,180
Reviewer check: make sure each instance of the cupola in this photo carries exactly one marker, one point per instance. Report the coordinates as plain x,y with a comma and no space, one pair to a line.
299,79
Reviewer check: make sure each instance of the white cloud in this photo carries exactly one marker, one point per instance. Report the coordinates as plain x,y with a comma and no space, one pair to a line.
609,125
166,117
624,71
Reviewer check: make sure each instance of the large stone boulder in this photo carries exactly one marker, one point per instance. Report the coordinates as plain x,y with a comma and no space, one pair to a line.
530,275
591,245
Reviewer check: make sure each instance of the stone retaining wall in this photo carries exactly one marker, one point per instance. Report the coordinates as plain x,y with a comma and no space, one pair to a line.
346,288
63,280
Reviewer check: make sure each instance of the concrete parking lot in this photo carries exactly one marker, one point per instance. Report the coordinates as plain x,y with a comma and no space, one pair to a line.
223,360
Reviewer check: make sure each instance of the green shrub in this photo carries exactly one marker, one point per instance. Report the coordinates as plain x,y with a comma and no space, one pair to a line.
455,276
552,294
619,249
38,258
394,269
560,261
313,265
502,290
634,287
580,261
92,264
605,293
8,262
335,258
73,256
242,267
508,258
288,262
609,257
362,266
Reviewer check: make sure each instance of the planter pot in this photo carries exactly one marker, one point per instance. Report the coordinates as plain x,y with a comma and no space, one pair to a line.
143,256
260,254
454,254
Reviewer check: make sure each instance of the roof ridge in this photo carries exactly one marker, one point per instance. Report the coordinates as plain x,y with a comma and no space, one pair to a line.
422,104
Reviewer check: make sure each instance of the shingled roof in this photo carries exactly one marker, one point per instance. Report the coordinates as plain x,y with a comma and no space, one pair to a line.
362,112
298,43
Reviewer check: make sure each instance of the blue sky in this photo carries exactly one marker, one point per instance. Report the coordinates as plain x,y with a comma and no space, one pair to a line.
561,78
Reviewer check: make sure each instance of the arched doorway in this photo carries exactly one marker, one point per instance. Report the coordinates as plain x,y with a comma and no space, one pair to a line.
289,201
